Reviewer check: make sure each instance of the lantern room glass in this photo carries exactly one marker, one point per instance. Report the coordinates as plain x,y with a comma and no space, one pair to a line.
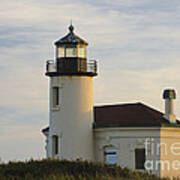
77,51
71,52
61,52
81,52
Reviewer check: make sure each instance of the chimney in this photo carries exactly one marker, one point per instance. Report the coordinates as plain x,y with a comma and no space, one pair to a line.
169,95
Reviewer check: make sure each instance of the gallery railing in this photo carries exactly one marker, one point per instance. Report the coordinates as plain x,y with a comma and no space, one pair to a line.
91,67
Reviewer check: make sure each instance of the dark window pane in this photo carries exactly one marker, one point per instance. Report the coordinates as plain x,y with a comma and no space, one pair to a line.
140,158
55,145
55,96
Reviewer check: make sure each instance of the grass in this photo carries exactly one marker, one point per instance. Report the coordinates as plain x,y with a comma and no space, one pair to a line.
68,170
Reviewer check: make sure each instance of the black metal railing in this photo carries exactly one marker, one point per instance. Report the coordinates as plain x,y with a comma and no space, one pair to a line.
51,66
90,67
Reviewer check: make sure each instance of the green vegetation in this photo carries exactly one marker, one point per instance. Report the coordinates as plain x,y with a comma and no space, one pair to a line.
67,170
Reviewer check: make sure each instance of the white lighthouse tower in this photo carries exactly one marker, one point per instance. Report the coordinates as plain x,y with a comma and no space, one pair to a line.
70,135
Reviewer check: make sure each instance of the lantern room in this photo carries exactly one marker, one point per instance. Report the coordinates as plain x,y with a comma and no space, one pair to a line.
71,56
71,46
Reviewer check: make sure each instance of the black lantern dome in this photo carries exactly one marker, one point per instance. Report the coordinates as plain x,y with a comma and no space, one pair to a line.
70,38
71,56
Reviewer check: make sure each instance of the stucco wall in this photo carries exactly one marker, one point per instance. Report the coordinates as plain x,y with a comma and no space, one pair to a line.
72,120
170,152
126,140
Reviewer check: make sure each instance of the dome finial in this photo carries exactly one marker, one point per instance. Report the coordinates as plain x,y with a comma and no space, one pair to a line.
71,27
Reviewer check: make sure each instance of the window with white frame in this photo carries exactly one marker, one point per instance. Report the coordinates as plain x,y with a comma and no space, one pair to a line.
110,155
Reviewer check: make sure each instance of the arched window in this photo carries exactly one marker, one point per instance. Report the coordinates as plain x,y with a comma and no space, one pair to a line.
110,155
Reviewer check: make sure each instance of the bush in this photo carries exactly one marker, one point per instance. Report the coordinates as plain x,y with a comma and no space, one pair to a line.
67,170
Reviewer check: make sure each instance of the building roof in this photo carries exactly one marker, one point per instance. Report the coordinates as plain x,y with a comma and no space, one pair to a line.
70,38
128,115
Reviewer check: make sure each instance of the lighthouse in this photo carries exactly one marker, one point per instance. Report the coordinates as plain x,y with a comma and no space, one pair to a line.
69,135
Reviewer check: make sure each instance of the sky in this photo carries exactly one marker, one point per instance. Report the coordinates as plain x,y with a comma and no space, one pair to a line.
136,44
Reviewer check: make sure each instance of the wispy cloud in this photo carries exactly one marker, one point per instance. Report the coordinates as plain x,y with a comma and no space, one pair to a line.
137,44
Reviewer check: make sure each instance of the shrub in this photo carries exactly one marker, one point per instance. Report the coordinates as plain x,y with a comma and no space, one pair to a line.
67,170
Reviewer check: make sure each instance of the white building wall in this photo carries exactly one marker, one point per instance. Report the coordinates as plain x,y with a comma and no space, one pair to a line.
126,140
72,120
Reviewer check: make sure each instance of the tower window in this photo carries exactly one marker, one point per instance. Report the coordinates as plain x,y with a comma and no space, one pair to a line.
55,144
55,96
110,155
140,158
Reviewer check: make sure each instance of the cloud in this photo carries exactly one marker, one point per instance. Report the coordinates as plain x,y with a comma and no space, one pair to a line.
138,86
136,44
21,143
